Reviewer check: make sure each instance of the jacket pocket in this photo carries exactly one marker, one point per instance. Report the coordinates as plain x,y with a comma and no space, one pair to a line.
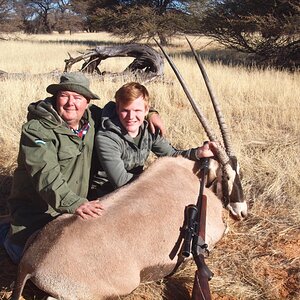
68,153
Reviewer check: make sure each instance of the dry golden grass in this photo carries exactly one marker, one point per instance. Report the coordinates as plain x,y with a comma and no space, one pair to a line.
258,258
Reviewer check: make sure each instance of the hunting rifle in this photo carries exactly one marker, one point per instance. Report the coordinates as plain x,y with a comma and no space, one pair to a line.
194,239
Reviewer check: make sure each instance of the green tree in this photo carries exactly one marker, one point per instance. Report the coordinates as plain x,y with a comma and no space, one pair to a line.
139,18
87,8
267,29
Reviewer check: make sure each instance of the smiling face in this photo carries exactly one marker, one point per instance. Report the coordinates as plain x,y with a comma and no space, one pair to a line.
132,115
71,107
132,101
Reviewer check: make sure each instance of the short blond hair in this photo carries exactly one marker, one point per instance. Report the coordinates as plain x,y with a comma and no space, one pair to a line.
130,92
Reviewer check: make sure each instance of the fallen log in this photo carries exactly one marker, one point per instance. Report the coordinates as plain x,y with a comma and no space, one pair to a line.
148,63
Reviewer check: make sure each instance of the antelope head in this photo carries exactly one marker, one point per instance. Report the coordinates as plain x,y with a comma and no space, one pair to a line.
227,185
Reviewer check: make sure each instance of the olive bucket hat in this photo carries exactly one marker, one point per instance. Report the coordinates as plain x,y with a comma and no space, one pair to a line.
74,82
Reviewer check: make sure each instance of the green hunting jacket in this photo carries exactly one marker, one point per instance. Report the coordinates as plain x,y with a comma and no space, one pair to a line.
53,172
122,159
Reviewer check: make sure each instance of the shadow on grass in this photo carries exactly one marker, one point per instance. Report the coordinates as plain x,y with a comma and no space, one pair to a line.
225,57
88,43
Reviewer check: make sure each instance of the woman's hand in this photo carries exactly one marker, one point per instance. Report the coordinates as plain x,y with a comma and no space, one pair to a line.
89,209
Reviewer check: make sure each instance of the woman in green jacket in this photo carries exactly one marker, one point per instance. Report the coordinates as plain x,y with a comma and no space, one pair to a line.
52,176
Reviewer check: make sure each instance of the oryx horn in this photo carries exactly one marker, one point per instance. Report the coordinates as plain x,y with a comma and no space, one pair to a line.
215,102
222,155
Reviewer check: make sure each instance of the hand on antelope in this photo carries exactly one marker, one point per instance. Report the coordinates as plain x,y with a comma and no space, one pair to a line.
209,149
89,209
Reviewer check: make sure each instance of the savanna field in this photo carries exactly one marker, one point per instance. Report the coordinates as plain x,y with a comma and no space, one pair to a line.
258,258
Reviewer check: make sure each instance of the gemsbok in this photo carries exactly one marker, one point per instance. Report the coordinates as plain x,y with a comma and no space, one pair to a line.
108,257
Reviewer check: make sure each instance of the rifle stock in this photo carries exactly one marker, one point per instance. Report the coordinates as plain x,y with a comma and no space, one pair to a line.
201,289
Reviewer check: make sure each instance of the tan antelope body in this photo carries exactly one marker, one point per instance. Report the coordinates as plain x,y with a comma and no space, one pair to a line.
130,243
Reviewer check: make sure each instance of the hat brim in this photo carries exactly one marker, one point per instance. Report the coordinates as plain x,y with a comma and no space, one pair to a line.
55,88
